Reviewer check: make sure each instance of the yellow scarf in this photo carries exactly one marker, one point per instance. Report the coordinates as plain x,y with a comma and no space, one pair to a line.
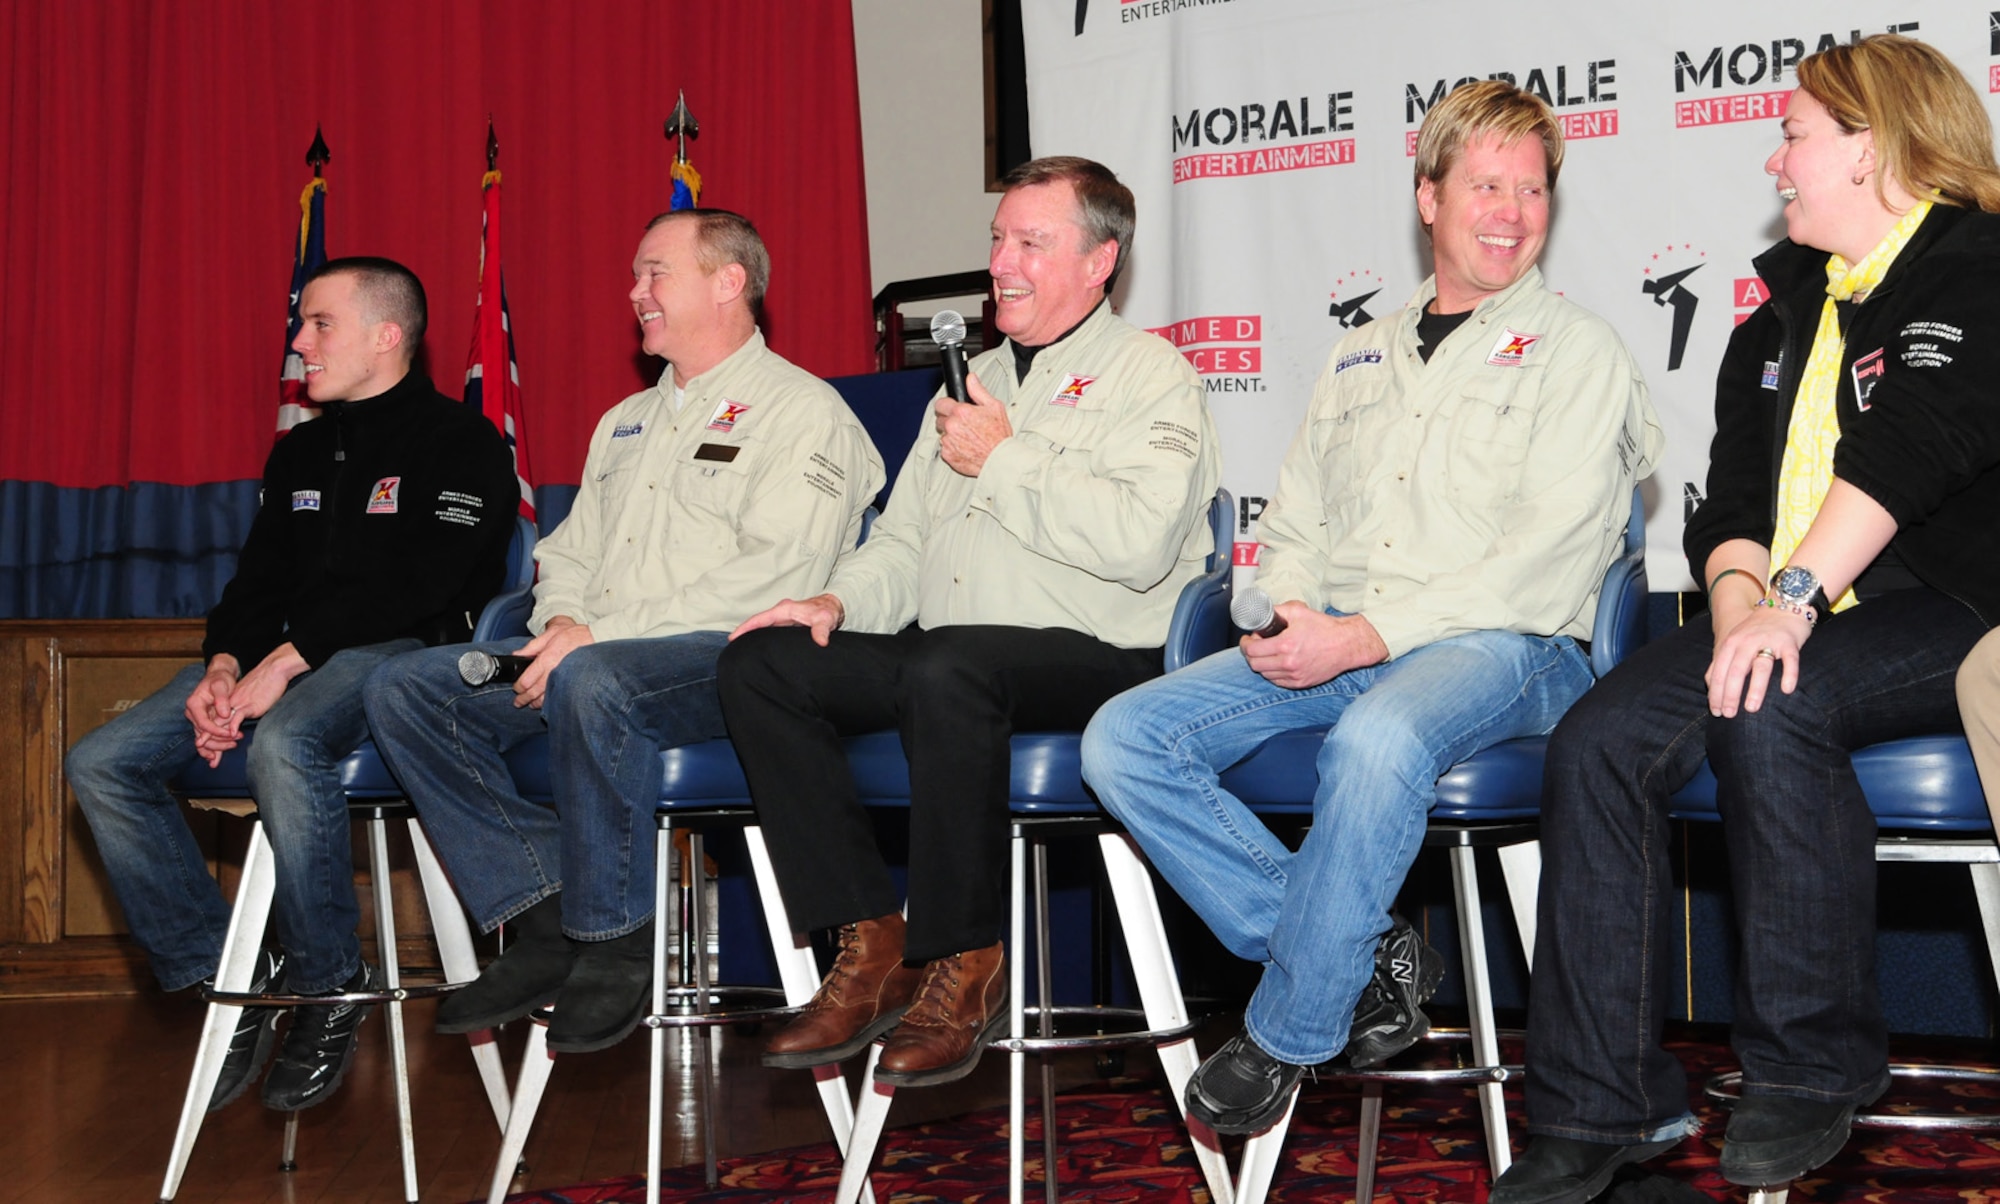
1807,471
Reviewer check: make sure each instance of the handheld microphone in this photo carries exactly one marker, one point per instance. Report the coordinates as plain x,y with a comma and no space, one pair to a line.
476,668
948,332
1252,611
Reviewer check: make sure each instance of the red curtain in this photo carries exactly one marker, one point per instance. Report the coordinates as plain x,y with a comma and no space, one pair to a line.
152,154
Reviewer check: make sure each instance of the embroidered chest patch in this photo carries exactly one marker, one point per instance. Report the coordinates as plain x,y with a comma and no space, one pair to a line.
382,498
726,414
1071,391
1511,348
1868,372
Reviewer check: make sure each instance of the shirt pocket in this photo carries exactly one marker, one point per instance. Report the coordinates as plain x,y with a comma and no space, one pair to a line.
713,490
1070,429
1487,451
1348,444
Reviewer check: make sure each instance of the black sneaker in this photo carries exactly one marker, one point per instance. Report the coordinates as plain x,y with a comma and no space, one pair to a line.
256,1032
1240,1088
317,1048
1389,1017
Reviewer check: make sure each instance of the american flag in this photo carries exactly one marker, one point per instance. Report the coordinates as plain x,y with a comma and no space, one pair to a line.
293,406
492,357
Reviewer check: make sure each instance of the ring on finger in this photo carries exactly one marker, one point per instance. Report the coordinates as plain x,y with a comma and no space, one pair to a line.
1767,652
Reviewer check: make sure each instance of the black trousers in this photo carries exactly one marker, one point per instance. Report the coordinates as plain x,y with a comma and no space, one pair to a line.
956,695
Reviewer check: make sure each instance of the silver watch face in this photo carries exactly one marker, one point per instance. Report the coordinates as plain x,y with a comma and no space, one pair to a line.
1795,584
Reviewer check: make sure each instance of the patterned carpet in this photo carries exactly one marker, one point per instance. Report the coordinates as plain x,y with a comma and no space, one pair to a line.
1121,1142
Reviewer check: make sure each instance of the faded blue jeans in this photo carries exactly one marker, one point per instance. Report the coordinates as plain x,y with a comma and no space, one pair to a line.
1312,918
172,904
610,709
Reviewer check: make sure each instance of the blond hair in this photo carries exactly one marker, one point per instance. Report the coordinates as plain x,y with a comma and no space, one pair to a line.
1931,131
1489,108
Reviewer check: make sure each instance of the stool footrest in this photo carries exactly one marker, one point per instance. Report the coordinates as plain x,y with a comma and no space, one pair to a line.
1726,1089
1504,1073
278,999
1093,1017
720,1004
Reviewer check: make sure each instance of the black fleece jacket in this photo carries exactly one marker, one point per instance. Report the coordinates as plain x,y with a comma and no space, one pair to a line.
380,519
1918,405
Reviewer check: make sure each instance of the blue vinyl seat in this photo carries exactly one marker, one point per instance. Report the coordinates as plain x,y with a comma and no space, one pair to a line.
373,798
1929,807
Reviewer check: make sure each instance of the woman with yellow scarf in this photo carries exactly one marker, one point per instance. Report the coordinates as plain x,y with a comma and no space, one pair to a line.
1850,544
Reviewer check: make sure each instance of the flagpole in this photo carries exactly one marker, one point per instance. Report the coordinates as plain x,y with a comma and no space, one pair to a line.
682,126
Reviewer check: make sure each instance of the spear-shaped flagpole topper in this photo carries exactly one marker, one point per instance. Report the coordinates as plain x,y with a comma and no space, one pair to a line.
317,156
682,126
492,146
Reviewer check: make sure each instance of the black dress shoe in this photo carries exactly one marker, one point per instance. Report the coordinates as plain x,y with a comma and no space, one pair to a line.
256,1033
317,1048
1563,1170
527,976
1240,1088
606,994
1774,1139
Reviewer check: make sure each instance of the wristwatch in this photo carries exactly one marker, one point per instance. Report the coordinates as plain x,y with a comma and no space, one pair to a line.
1797,589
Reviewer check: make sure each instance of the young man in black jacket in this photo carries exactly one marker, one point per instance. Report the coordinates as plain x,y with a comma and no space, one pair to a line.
383,527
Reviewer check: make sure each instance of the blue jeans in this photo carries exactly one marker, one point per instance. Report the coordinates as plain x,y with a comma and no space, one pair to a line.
1801,843
172,905
609,710
1311,918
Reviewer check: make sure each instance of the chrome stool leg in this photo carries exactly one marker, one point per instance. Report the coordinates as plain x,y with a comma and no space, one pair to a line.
698,932
1045,995
1369,1141
656,1082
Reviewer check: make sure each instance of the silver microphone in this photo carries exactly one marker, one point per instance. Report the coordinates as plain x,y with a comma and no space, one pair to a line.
476,668
948,332
1251,610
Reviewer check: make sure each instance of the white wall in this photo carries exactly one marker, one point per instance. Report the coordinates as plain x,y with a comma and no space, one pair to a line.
923,121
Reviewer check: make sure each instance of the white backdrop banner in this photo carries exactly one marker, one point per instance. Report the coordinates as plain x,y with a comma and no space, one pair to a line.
1270,143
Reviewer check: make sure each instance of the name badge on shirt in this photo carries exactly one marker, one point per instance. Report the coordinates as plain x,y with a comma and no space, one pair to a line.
722,453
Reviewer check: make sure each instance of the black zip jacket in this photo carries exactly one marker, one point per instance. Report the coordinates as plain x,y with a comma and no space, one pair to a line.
1918,405
380,519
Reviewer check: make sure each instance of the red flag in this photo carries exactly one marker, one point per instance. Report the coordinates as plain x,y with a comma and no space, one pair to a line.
492,380
293,405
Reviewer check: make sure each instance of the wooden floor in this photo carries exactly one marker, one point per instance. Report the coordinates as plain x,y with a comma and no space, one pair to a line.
90,1092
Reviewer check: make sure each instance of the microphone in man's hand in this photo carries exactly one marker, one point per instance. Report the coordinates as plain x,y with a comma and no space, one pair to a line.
478,668
948,332
1252,611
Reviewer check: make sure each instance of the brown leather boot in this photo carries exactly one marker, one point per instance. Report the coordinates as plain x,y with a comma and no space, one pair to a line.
860,998
961,1005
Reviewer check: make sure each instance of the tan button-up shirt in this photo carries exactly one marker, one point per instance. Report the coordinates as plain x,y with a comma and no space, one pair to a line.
1485,490
1089,517
697,518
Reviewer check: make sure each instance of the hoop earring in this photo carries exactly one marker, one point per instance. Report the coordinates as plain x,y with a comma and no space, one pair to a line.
1859,180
